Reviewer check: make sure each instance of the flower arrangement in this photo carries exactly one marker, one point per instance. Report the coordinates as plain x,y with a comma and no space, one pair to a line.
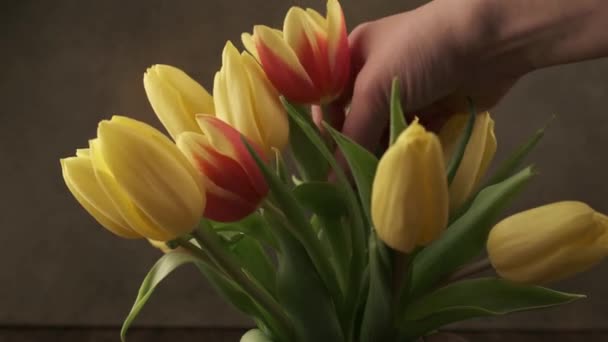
386,251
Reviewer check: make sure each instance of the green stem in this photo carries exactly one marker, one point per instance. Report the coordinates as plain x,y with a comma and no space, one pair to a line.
208,240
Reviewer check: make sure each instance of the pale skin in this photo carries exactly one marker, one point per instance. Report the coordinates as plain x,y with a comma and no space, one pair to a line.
447,50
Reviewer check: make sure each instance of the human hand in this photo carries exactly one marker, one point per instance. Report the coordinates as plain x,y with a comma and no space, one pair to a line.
436,52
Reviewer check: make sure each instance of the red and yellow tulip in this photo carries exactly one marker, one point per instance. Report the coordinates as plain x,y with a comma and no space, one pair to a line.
234,184
309,61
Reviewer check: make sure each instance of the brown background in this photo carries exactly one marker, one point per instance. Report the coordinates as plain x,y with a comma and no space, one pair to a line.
67,64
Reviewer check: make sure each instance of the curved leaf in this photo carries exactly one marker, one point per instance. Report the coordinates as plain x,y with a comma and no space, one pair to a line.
462,144
362,164
322,198
466,237
475,298
398,123
301,291
377,324
299,225
253,226
167,264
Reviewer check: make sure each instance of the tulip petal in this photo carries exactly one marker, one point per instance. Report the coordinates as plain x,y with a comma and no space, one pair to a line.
176,98
151,173
240,112
249,45
309,41
136,219
270,114
409,194
228,142
478,154
548,243
79,176
318,18
282,66
223,171
337,46
230,195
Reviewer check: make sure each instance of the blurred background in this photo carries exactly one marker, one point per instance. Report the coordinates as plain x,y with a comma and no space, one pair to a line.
68,64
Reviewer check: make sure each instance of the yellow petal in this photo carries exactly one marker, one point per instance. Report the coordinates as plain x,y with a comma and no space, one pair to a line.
136,219
477,157
409,194
235,90
336,31
548,243
318,18
301,29
249,44
274,41
269,111
80,178
153,175
176,98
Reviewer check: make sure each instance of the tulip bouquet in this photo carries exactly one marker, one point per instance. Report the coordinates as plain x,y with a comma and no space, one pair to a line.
386,251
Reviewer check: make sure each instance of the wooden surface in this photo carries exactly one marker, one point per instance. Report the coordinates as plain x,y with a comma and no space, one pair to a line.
231,335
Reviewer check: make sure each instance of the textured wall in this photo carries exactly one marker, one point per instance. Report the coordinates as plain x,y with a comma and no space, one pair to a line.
68,64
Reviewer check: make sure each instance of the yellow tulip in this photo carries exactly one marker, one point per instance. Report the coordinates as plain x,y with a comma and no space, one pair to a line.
245,99
136,182
410,192
477,157
176,98
80,178
548,243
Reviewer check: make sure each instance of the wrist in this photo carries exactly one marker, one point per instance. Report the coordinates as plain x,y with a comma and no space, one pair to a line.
525,35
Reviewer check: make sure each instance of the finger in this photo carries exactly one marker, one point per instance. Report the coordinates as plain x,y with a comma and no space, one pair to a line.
368,115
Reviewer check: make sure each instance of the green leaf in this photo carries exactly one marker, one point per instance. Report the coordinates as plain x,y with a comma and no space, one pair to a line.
322,198
377,324
398,123
507,168
462,144
253,226
301,291
514,161
299,226
167,264
359,229
476,298
310,164
256,262
362,164
466,237
280,168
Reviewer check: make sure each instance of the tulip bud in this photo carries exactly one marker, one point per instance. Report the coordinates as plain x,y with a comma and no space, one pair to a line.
548,243
80,178
410,192
477,156
136,177
176,98
235,185
309,61
245,99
